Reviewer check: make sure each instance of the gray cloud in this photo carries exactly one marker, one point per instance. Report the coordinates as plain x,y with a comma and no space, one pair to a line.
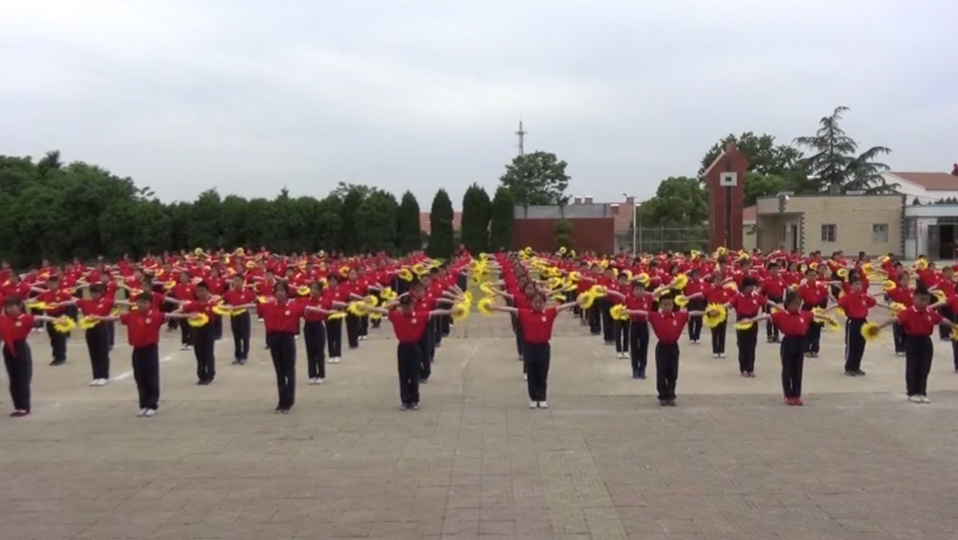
248,96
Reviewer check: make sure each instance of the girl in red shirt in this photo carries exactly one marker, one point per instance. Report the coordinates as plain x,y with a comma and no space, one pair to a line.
536,323
15,328
410,324
792,323
97,337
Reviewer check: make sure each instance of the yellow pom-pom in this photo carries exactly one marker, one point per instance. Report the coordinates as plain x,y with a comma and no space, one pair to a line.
715,314
372,301
237,312
619,312
585,300
681,300
357,308
485,305
460,312
303,291
870,331
64,325
680,281
335,316
405,274
87,322
744,325
888,285
198,320
222,311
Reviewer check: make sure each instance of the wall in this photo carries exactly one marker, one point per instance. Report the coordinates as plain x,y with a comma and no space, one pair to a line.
588,234
853,216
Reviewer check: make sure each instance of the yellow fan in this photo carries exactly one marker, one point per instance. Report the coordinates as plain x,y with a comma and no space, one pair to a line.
574,276
460,312
467,298
375,316
585,300
372,301
744,325
197,320
954,333
680,281
643,278
715,314
842,273
237,312
303,291
64,325
921,264
870,331
42,306
619,312
358,309
896,307
405,274
222,311
487,289
420,269
335,316
598,291
169,285
262,299
344,271
87,322
388,294
485,305
681,300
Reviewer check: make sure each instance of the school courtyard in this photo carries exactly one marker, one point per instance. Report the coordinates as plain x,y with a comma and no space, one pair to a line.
731,462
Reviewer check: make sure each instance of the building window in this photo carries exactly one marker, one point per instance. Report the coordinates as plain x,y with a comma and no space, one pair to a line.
910,225
880,233
829,232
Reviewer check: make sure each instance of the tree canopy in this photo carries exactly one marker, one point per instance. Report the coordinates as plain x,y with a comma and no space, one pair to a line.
680,201
476,215
536,179
57,211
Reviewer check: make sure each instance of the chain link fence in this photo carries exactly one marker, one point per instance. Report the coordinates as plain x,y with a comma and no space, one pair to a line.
663,239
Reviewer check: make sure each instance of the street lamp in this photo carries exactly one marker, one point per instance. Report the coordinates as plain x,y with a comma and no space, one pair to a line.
634,222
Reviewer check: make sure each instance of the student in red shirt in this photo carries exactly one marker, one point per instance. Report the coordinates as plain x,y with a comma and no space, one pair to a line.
747,305
814,294
856,303
314,332
334,327
410,323
695,291
792,323
773,287
718,293
15,328
918,324
237,295
143,325
638,300
97,337
184,291
668,326
537,322
203,337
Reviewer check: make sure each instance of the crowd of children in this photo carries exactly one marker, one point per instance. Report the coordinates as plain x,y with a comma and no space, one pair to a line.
625,300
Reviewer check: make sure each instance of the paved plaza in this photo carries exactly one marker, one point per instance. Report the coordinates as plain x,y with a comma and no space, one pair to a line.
603,462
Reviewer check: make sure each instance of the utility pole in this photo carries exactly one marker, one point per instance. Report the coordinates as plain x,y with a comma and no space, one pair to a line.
522,139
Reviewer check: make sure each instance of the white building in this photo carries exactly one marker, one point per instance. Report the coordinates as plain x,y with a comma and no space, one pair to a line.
927,187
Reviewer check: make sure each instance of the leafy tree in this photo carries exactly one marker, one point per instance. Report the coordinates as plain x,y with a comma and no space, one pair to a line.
408,230
758,185
378,216
503,218
441,237
834,163
476,213
354,196
535,179
679,201
765,157
563,235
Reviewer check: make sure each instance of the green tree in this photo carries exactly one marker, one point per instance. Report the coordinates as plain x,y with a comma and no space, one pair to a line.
764,155
759,185
502,220
408,229
536,179
562,237
835,165
679,201
441,236
378,216
354,196
476,214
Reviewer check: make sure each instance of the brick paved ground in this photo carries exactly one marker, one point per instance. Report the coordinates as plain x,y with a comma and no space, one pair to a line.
604,462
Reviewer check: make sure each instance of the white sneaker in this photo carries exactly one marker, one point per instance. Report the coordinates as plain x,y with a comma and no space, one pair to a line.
543,405
714,355
335,359
142,413
924,399
721,355
914,399
533,404
150,413
312,381
320,380
525,376
95,382
102,382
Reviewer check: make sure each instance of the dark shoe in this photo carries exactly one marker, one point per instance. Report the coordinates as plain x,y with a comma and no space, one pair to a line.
663,403
850,373
671,403
859,373
635,373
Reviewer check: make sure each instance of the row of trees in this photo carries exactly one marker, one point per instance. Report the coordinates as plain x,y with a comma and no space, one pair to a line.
828,161
56,211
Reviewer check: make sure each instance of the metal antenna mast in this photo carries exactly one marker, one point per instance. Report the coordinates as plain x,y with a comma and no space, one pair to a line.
522,139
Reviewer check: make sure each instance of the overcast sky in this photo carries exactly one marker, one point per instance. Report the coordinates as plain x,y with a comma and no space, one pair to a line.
248,96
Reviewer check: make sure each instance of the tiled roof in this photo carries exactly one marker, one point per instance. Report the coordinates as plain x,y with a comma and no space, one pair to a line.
932,181
424,221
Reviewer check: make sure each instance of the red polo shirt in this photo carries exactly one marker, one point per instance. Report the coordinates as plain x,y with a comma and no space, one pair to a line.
143,327
537,325
747,305
15,329
792,324
668,328
99,308
918,322
409,327
856,305
638,303
282,317
319,302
